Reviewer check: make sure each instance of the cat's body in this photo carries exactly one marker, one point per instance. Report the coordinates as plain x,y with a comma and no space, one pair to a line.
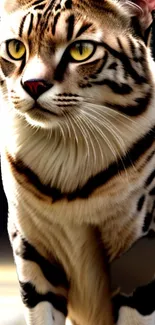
79,182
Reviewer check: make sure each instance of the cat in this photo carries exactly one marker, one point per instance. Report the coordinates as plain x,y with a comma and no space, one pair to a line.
78,149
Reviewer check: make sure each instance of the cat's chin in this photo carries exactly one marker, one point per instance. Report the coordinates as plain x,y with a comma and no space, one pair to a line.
42,119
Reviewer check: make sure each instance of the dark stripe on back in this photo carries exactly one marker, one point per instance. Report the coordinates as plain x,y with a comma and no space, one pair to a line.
70,22
52,271
138,149
32,298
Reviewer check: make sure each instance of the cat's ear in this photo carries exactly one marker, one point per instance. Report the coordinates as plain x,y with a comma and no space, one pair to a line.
142,13
147,8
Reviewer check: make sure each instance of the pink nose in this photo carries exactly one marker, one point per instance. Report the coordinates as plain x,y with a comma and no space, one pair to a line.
36,87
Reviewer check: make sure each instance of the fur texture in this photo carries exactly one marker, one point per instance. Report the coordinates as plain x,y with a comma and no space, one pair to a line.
78,150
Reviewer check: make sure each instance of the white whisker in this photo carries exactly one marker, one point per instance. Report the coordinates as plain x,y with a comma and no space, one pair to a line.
86,121
69,117
113,150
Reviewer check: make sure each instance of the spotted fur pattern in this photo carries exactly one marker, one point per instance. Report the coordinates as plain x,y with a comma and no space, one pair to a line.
78,160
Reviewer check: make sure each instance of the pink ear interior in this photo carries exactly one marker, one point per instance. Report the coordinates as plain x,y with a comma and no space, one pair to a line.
145,17
146,4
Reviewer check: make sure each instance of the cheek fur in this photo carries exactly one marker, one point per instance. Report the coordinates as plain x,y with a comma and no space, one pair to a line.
88,69
7,67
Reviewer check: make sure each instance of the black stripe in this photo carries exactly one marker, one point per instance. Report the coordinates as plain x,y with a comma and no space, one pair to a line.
32,298
55,23
121,89
143,300
50,6
151,156
37,2
66,105
39,7
88,85
38,20
147,221
104,59
68,4
113,66
58,7
150,234
83,29
22,65
60,69
65,100
67,95
152,191
141,203
45,22
22,25
53,271
138,149
132,110
126,64
31,25
70,22
120,44
132,47
150,178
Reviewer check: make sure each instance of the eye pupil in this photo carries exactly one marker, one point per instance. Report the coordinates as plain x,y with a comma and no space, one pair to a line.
81,49
17,46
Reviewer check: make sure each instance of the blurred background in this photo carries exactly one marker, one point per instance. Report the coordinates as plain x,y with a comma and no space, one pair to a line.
128,272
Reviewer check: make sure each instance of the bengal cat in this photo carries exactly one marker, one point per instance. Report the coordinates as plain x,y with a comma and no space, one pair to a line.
78,149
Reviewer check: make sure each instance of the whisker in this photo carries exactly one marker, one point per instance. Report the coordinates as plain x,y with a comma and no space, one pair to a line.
118,153
69,118
103,136
89,126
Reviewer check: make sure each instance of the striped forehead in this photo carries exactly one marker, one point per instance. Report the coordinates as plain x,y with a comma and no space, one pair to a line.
44,22
59,20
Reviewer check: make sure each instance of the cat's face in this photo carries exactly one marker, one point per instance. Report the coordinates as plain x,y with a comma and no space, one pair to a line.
73,60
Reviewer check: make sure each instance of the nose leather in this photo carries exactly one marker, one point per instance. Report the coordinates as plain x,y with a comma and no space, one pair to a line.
36,87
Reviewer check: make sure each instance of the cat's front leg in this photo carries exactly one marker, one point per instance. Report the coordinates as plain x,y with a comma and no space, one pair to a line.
43,284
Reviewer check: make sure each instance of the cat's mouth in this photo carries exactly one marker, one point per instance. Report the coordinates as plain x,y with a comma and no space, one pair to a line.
40,108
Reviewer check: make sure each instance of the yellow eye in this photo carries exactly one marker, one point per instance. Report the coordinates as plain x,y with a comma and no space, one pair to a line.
16,49
82,51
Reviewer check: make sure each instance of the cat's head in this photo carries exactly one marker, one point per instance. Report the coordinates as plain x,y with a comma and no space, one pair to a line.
76,60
